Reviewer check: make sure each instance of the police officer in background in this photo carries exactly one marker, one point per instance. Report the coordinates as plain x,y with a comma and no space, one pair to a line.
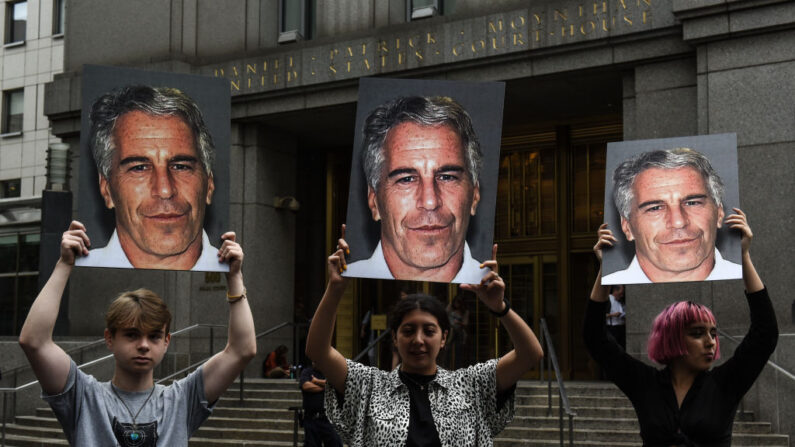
318,431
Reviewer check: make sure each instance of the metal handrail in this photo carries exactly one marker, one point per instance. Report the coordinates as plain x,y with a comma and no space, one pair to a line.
552,360
769,362
69,352
184,370
6,391
295,326
371,345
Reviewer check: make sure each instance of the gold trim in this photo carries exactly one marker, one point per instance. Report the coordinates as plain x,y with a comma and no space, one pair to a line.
535,138
616,129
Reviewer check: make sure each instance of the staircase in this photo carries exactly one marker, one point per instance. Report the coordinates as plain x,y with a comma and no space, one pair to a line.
604,418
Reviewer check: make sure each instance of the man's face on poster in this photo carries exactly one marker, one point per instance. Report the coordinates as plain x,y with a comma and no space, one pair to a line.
673,221
158,189
425,197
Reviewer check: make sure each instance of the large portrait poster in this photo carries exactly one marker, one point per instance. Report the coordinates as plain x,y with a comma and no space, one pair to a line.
666,201
154,169
424,179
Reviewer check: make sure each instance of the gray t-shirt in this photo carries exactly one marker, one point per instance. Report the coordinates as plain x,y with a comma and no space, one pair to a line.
92,415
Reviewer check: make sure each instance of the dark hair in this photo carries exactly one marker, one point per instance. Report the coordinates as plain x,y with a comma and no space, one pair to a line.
432,111
425,303
281,353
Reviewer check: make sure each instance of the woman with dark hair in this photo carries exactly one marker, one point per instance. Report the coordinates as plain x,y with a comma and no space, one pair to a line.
419,403
688,403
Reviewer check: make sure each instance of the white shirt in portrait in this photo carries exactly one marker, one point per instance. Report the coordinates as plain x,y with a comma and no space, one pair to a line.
376,267
635,275
113,256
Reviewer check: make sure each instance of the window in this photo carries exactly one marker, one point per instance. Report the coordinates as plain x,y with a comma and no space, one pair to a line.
295,20
527,204
58,17
16,22
420,9
19,265
588,187
13,101
9,188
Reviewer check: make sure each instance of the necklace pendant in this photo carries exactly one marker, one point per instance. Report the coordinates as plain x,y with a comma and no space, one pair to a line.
135,437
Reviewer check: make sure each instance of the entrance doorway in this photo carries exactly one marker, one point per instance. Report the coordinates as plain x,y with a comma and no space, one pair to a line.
550,204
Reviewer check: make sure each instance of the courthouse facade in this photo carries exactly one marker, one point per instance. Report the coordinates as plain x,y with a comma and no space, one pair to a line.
578,75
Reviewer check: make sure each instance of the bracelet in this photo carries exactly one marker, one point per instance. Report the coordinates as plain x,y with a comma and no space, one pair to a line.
504,311
235,298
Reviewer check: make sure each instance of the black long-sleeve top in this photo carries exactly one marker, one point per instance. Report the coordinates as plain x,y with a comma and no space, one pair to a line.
707,412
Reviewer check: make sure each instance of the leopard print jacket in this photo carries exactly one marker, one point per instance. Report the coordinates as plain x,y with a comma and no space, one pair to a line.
375,408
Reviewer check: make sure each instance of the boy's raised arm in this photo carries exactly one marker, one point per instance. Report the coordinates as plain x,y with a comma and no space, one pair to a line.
221,370
49,362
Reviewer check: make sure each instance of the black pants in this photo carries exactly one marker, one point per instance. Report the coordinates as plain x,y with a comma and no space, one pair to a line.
319,432
620,334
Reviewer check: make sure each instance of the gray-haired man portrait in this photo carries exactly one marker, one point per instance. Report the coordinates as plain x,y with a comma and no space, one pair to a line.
154,155
422,161
671,207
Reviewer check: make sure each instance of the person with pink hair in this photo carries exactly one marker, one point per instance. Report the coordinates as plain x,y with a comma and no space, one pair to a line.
688,402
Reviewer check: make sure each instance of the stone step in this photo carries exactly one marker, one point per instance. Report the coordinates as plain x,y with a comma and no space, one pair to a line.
504,442
581,388
578,401
541,433
253,413
35,431
249,423
259,403
33,441
264,393
630,424
38,421
597,411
